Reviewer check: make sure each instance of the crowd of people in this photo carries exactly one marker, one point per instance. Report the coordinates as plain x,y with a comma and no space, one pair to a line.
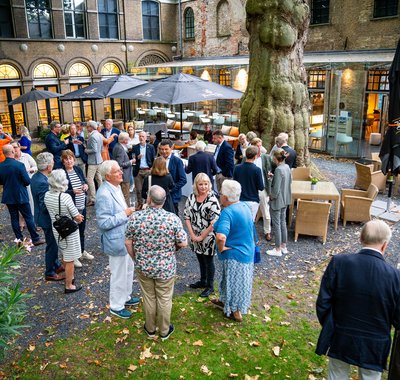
88,165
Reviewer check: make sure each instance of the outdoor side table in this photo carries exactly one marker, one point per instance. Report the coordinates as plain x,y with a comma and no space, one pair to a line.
324,191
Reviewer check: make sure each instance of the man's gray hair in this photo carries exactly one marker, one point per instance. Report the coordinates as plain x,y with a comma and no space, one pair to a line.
53,124
58,182
105,168
109,121
200,146
91,124
43,160
231,189
156,195
375,232
123,136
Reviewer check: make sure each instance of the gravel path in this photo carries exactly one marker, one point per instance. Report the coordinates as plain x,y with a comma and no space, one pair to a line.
53,314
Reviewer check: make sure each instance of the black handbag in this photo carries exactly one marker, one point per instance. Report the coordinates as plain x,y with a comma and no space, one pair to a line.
63,224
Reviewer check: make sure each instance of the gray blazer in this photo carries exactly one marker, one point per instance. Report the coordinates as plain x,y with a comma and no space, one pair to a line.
119,154
111,220
94,147
281,191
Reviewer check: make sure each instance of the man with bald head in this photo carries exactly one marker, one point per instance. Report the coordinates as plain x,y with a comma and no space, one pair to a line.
358,303
15,179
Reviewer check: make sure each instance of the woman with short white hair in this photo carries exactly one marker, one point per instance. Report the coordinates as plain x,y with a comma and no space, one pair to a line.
235,241
59,203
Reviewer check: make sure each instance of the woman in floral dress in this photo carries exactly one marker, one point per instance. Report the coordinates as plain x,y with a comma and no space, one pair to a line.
202,209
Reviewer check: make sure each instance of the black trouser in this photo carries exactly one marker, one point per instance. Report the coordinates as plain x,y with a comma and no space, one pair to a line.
82,227
207,270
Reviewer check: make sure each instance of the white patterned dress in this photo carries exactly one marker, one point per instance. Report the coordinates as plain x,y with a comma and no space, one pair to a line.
200,216
70,247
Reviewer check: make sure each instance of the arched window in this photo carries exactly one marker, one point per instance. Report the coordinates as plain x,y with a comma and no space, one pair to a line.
189,23
44,70
8,72
151,20
223,19
79,70
110,68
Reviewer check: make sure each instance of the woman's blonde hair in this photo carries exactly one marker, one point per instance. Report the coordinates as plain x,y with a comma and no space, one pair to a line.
159,167
201,177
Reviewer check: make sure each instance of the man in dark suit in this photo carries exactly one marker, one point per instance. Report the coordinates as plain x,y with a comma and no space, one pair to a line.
15,179
39,187
54,145
144,155
224,157
77,146
120,154
202,162
107,131
176,169
358,302
282,142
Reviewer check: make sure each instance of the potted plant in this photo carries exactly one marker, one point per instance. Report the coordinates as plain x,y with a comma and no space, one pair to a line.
314,181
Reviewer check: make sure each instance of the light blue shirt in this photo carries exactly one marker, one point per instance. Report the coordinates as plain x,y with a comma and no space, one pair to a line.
143,161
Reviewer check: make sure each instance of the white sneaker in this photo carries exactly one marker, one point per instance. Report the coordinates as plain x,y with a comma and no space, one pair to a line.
132,188
274,252
284,250
86,255
77,263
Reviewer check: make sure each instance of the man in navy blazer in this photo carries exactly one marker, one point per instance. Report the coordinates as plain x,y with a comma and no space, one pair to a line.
54,145
144,155
39,187
109,130
77,146
358,302
15,179
202,162
176,169
224,157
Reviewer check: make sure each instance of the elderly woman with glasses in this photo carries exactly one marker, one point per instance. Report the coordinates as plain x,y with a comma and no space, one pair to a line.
234,231
201,211
59,203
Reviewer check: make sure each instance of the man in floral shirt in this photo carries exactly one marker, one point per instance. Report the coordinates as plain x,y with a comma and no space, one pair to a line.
152,237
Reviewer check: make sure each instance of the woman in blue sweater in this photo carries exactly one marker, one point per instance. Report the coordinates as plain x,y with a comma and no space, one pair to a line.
234,233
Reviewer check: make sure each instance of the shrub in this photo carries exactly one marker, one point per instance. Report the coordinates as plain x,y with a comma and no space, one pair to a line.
43,133
12,300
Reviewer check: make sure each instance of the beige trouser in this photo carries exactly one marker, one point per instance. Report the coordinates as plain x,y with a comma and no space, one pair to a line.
92,173
157,302
79,162
264,207
125,190
142,174
219,178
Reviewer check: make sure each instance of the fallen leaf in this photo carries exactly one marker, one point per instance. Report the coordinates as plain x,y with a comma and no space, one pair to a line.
276,350
146,353
125,331
31,348
284,323
84,316
107,319
63,365
43,366
205,370
233,375
267,307
291,296
267,319
198,343
132,367
311,377
247,377
254,344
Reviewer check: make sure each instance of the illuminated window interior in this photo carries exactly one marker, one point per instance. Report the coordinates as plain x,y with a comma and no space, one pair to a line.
79,70
44,70
8,72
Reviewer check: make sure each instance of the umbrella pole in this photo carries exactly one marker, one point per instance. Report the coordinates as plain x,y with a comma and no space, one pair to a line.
180,109
390,181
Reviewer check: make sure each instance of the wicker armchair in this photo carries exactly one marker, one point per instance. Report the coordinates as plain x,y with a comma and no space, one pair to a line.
301,174
366,176
356,204
312,219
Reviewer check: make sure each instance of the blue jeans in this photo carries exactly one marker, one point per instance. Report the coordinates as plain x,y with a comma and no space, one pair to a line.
51,254
25,210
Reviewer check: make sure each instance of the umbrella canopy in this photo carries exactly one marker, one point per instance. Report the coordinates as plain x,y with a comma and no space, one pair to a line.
390,150
179,89
34,95
104,89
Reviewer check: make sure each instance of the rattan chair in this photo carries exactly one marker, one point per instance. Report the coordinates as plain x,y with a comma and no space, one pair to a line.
312,219
301,174
366,176
356,204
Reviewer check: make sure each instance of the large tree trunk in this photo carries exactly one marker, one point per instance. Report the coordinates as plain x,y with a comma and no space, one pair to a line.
276,99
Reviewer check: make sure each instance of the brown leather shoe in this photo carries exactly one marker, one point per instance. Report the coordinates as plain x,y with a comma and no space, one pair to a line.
218,303
268,237
237,315
60,269
55,277
39,242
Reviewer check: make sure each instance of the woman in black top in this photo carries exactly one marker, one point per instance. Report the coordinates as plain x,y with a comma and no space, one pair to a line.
159,175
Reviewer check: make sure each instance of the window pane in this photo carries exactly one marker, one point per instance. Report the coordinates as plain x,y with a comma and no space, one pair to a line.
79,5
385,8
102,5
6,29
319,11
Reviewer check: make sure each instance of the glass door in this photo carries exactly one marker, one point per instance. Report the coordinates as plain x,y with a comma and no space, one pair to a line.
48,109
12,117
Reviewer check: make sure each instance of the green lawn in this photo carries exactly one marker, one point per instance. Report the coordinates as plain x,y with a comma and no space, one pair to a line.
276,341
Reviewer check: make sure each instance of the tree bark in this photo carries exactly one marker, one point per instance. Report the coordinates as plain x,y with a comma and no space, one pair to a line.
276,99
